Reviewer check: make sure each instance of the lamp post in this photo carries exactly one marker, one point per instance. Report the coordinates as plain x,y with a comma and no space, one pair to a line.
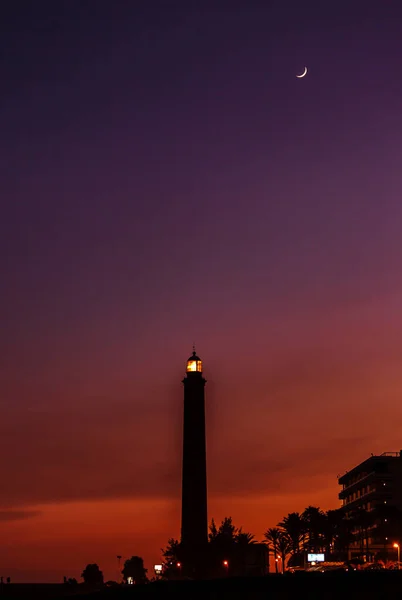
399,553
119,557
226,565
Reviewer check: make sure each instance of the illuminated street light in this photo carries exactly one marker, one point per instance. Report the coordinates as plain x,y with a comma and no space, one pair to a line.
399,553
226,565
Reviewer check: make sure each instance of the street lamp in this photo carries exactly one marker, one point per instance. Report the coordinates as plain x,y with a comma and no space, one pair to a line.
119,557
399,553
226,565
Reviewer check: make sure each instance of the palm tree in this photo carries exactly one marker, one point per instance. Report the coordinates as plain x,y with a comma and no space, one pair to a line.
284,547
314,519
273,536
294,526
344,536
332,526
244,538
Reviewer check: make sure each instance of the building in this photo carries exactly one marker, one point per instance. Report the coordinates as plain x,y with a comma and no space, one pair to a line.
256,560
372,495
194,516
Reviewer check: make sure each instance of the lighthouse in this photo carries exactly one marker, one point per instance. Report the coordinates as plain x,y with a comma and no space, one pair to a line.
194,515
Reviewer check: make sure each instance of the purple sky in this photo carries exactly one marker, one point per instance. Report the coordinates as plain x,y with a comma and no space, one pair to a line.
165,178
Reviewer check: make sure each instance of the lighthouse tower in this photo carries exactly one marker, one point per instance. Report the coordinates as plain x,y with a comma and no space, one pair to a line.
194,517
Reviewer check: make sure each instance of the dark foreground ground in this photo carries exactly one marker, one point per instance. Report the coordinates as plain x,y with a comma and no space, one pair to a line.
309,586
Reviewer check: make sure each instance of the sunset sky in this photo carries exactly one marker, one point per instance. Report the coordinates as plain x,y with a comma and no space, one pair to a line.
166,179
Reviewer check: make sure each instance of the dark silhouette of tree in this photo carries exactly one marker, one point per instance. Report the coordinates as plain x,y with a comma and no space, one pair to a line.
134,567
225,543
314,519
345,536
284,548
338,533
227,531
334,531
312,531
92,575
173,551
228,543
333,523
294,526
222,542
273,535
172,557
228,536
243,538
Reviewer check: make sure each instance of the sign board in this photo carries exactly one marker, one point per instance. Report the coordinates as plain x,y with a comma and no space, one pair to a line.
315,558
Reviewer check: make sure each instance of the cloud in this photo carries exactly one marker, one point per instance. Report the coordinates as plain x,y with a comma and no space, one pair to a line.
18,515
129,445
87,454
261,468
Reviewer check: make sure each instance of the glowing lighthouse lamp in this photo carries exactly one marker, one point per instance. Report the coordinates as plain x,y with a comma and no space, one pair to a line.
194,364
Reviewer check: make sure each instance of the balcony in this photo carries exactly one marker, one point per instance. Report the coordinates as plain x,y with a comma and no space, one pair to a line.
375,495
374,479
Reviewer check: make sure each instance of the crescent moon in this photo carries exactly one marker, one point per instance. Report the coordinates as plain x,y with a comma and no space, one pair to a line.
303,74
